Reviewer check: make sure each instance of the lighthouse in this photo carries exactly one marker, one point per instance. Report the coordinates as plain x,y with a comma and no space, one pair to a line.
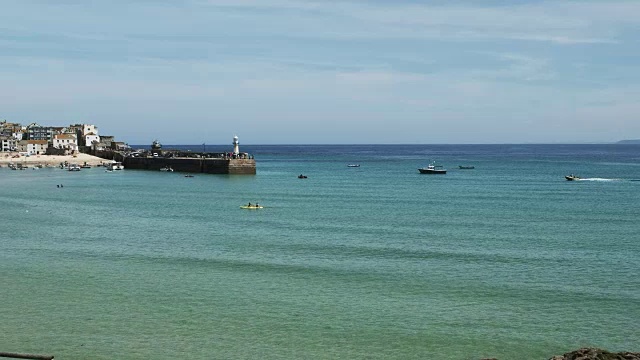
236,145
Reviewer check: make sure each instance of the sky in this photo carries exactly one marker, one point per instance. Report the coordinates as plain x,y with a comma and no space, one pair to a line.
325,72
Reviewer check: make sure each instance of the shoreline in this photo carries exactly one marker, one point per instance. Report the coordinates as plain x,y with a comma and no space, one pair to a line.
80,159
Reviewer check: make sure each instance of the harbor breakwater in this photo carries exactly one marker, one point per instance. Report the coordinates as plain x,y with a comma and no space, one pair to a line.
206,163
193,165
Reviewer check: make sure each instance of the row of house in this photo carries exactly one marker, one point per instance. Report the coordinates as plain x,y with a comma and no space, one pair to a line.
35,139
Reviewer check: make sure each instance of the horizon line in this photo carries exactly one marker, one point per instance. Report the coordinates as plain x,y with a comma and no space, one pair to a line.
621,142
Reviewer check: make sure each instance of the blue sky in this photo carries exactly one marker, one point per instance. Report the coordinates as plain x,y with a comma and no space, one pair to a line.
325,72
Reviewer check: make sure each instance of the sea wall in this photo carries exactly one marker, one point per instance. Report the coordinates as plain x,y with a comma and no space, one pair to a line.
193,165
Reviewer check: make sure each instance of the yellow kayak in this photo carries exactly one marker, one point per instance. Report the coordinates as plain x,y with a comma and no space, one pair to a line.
251,207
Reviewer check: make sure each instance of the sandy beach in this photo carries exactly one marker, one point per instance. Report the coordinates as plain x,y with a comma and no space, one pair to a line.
8,158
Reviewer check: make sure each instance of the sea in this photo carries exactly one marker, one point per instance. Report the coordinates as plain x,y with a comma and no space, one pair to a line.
507,260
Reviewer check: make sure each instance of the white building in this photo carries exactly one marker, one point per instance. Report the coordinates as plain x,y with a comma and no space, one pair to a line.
90,138
33,147
89,129
8,143
67,142
18,135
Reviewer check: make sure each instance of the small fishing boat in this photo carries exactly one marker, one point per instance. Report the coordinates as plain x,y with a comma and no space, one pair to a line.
353,165
302,176
572,177
166,168
433,169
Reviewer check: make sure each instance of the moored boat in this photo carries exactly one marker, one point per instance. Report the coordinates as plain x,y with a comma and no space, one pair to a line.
433,169
115,165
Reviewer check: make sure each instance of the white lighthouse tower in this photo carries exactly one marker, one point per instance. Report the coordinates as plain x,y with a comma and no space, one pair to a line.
236,145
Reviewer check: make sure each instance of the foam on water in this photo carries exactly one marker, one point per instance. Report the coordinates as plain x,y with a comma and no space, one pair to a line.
597,179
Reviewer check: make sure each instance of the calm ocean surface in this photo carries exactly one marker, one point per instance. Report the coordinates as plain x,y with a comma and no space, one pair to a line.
507,260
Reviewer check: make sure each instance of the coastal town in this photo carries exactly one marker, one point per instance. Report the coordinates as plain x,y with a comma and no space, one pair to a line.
80,145
17,140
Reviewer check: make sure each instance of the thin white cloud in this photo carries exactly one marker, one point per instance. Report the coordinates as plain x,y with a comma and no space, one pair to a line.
556,22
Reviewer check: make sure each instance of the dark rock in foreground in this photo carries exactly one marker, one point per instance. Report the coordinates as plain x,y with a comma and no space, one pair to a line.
596,354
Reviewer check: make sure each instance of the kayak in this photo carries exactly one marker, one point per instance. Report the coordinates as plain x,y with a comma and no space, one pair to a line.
251,207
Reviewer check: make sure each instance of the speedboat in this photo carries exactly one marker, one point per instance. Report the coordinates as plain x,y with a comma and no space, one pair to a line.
353,165
433,169
572,177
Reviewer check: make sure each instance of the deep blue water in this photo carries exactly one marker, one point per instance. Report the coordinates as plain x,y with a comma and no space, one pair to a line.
374,262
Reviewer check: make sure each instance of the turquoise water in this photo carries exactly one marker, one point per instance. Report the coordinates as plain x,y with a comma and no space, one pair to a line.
375,262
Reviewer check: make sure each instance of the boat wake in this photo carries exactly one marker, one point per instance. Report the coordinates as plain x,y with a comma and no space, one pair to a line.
597,179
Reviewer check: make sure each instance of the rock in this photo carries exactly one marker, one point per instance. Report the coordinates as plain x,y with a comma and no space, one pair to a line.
596,354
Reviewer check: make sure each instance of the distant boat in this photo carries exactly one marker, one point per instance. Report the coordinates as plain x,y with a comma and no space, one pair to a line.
251,207
74,167
302,176
433,169
166,168
572,177
85,166
353,165
463,167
